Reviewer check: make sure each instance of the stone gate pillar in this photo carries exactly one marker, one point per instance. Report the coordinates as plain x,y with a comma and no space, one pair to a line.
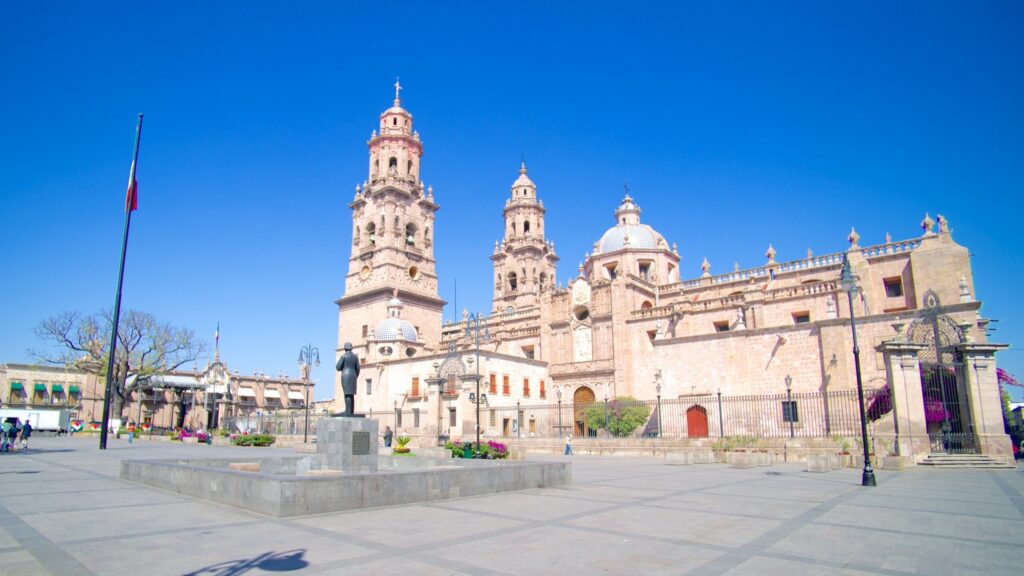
433,415
903,372
983,396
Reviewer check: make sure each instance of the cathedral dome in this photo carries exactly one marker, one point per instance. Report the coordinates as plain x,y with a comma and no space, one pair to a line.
639,235
394,327
523,179
628,229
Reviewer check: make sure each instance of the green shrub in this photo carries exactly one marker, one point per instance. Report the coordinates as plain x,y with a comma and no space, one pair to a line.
625,415
254,440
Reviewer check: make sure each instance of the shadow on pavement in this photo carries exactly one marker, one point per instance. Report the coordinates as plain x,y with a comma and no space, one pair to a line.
268,561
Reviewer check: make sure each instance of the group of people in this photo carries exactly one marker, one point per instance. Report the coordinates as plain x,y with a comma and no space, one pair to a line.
14,434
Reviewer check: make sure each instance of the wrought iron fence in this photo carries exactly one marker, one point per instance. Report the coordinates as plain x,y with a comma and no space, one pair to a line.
292,422
802,415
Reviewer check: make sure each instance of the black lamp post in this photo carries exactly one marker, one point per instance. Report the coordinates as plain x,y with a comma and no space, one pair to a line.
657,390
606,386
477,330
519,421
558,392
308,355
848,282
789,404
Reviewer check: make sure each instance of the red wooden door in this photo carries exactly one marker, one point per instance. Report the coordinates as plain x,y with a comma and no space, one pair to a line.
697,422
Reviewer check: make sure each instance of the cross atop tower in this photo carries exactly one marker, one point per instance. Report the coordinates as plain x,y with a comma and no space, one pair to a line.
625,186
398,87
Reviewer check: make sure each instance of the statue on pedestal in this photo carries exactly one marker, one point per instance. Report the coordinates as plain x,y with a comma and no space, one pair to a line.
348,365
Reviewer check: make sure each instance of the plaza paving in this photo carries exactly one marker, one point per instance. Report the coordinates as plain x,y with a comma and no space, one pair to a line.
63,511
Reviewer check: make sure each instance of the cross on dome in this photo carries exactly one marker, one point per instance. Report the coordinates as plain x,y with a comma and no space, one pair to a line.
398,88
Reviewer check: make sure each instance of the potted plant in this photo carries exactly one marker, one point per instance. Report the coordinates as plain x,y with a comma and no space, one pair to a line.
402,445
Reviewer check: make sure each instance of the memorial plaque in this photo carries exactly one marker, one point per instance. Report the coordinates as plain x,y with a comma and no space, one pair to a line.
360,443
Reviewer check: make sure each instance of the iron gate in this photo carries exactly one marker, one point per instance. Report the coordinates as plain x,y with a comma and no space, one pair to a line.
946,410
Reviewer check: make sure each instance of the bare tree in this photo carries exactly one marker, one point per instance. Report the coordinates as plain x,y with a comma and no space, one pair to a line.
145,346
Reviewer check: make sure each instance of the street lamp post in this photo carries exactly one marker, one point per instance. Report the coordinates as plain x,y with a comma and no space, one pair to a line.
606,386
477,330
848,282
789,403
558,392
519,421
657,390
308,355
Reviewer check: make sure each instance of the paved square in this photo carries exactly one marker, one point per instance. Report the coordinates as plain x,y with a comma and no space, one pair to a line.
64,511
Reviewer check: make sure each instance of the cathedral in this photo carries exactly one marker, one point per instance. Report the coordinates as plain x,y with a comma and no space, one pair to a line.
630,325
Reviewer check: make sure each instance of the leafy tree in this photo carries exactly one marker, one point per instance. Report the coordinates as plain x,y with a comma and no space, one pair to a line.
145,347
625,415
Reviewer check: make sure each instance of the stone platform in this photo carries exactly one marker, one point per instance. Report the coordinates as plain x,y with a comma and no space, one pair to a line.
278,490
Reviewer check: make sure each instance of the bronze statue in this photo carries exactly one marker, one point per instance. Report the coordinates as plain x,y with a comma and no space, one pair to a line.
348,365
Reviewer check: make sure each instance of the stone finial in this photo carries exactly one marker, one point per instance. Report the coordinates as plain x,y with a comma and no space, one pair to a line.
927,224
965,290
580,268
736,267
705,268
497,247
357,191
465,314
830,308
810,253
522,167
853,238
597,248
943,224
430,193
625,240
770,254
888,238
675,249
965,327
741,319
898,327
373,135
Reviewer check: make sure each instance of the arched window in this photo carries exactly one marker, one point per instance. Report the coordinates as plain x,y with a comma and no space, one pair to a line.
526,227
543,280
513,227
647,304
513,281
393,165
410,234
371,231
408,169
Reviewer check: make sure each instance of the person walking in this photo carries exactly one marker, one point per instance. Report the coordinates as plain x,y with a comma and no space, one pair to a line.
5,435
568,445
26,432
131,432
388,435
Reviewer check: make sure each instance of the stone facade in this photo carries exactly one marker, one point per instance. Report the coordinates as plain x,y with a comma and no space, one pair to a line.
629,324
162,400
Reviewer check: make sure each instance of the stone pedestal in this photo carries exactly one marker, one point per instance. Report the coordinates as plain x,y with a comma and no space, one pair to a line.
348,444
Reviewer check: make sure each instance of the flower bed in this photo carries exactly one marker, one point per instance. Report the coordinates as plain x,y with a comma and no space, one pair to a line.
489,450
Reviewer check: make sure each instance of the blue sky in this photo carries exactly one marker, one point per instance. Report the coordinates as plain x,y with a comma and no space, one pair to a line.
736,124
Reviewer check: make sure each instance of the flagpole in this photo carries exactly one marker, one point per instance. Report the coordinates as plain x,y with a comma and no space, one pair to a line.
129,207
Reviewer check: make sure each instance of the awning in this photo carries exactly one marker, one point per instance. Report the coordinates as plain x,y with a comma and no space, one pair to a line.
56,389
74,389
246,392
16,386
293,395
39,387
271,394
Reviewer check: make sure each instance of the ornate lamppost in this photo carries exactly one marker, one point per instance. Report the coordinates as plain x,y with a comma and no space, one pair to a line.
789,412
519,421
558,392
308,356
477,331
657,390
848,282
606,387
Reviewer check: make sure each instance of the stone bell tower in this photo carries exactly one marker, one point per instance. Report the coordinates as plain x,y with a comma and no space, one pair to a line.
392,238
524,262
